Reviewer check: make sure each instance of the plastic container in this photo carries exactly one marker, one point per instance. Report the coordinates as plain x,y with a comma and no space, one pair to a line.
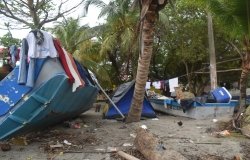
221,95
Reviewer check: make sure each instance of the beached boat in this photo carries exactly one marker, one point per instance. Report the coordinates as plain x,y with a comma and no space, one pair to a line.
194,109
51,100
45,88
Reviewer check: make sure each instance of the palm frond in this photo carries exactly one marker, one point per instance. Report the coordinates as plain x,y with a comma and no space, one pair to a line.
96,3
109,43
97,68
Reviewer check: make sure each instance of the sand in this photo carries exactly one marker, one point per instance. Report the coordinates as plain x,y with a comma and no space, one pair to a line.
97,138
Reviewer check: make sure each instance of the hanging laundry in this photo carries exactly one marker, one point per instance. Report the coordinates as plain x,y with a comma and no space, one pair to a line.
14,53
22,74
69,66
173,83
157,84
36,48
148,85
41,47
63,60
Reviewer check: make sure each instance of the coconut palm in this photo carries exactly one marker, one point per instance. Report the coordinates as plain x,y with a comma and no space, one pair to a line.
148,17
234,16
71,34
118,36
77,40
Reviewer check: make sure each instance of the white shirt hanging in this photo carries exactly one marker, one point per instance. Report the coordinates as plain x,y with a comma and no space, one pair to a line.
46,49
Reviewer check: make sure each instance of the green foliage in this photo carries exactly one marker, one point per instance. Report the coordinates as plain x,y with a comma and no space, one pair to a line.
117,37
7,40
233,15
77,40
70,33
183,40
181,46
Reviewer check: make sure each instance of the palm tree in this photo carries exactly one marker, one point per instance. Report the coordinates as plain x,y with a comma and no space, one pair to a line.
71,34
148,17
77,40
117,35
234,17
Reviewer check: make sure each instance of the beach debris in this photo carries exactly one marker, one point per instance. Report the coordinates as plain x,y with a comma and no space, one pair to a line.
238,157
127,145
126,156
67,142
144,126
123,127
180,123
132,135
22,141
111,149
5,147
100,149
215,120
155,119
56,146
151,147
223,133
85,126
75,125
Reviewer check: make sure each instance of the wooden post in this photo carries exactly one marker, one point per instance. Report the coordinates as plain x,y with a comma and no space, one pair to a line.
213,72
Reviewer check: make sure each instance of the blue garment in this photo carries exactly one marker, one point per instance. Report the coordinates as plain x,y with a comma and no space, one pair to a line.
13,53
22,75
29,72
83,73
35,66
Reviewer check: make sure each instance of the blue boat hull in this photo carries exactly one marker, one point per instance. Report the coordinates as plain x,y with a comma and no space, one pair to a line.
197,110
50,102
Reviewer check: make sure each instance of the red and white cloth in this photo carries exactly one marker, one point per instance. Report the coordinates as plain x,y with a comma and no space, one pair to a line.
69,66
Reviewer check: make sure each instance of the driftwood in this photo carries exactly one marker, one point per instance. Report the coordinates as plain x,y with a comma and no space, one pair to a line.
126,156
152,149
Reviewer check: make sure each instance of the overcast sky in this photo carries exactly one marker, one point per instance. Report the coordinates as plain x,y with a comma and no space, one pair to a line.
90,19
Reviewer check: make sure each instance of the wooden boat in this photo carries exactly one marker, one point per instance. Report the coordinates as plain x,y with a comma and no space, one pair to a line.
51,100
196,110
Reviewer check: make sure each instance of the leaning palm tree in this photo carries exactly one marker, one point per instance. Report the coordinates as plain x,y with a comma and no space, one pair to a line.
148,16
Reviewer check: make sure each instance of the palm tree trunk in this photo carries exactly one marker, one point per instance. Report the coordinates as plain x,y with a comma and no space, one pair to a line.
245,71
147,38
243,83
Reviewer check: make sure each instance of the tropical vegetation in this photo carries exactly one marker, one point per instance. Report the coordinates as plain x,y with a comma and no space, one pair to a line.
150,39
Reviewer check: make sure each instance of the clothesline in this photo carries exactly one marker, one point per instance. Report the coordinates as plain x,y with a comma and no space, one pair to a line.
197,71
173,82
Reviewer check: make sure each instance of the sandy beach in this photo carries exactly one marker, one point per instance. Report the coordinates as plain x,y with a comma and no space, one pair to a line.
94,138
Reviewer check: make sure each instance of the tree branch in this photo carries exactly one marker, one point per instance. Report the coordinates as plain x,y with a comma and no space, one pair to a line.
11,15
236,49
45,20
35,12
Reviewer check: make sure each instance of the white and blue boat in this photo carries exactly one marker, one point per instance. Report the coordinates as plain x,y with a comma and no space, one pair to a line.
194,109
